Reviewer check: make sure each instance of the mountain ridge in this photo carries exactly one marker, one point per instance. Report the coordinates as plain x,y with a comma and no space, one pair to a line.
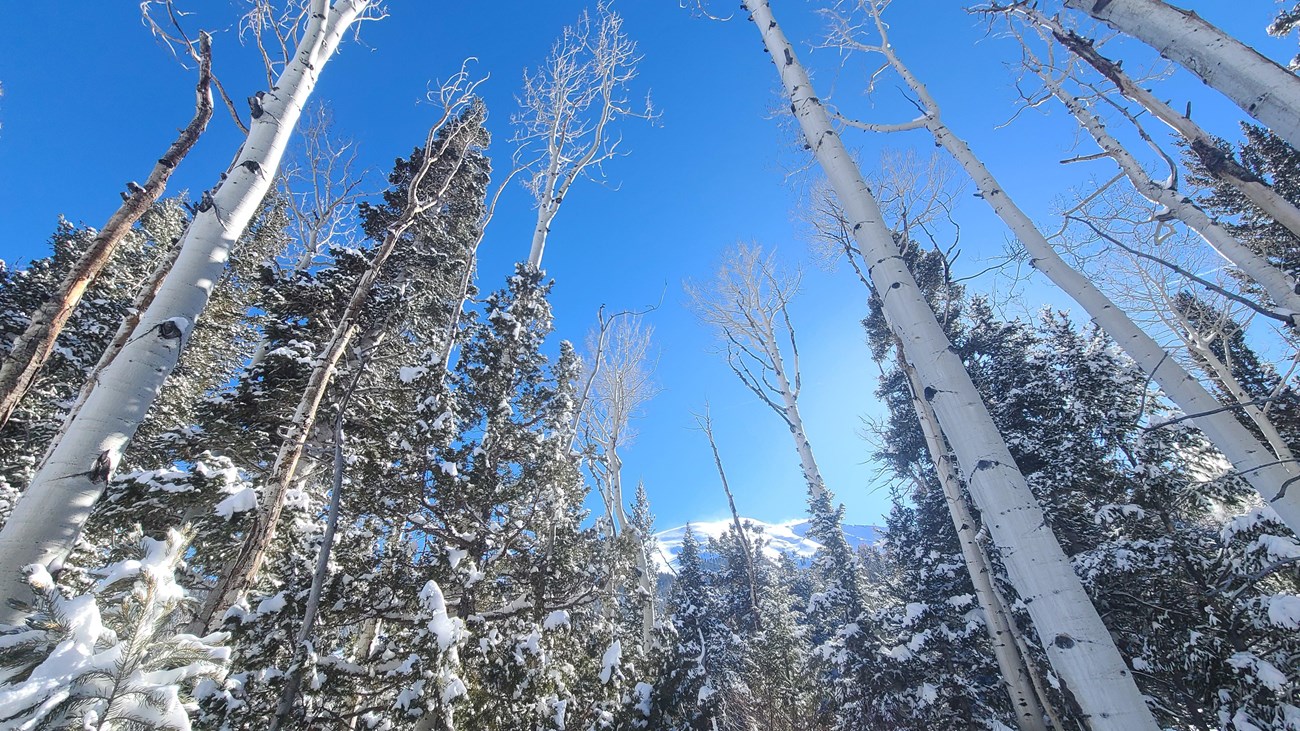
787,537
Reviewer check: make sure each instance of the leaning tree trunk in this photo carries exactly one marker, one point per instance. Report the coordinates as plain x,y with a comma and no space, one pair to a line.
1076,641
1260,86
1015,673
1251,459
48,517
1219,162
34,346
1280,288
302,642
812,475
706,424
241,571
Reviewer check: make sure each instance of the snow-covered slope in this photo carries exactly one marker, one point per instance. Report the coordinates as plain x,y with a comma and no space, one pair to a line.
779,538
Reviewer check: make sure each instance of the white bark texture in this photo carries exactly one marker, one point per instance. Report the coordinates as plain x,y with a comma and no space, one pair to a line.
1218,162
1260,86
1015,673
1280,287
49,516
1251,459
616,388
1077,643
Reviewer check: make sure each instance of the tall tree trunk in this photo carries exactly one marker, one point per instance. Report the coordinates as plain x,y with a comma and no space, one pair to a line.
1077,643
812,474
1015,674
646,577
144,296
1260,86
241,571
34,346
1252,460
292,686
1281,288
48,517
706,425
1220,163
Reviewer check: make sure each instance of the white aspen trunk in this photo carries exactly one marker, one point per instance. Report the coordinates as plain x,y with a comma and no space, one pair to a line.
48,517
241,571
1260,86
642,561
812,475
144,296
1252,460
546,211
33,347
1280,288
1219,163
1077,643
1015,674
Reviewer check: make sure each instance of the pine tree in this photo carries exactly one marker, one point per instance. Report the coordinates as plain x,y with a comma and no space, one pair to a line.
687,697
110,658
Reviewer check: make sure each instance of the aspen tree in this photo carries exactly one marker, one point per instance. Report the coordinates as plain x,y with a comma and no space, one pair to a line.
619,383
1017,676
1220,163
1251,459
748,306
1279,287
1076,641
570,107
50,514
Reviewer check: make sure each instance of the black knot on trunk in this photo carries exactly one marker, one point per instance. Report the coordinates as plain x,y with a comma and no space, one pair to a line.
169,330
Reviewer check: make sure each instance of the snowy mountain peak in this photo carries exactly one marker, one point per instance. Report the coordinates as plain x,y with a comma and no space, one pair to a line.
789,537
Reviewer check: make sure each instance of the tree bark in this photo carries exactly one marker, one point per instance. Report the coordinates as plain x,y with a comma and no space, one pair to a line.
34,346
1015,674
1077,643
48,517
1260,86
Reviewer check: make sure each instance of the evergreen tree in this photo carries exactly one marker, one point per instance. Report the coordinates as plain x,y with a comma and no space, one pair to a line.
687,698
110,658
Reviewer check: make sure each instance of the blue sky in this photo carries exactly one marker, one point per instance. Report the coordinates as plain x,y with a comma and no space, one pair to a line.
90,100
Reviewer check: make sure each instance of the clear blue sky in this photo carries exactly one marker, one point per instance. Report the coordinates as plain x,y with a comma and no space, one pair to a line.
90,100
